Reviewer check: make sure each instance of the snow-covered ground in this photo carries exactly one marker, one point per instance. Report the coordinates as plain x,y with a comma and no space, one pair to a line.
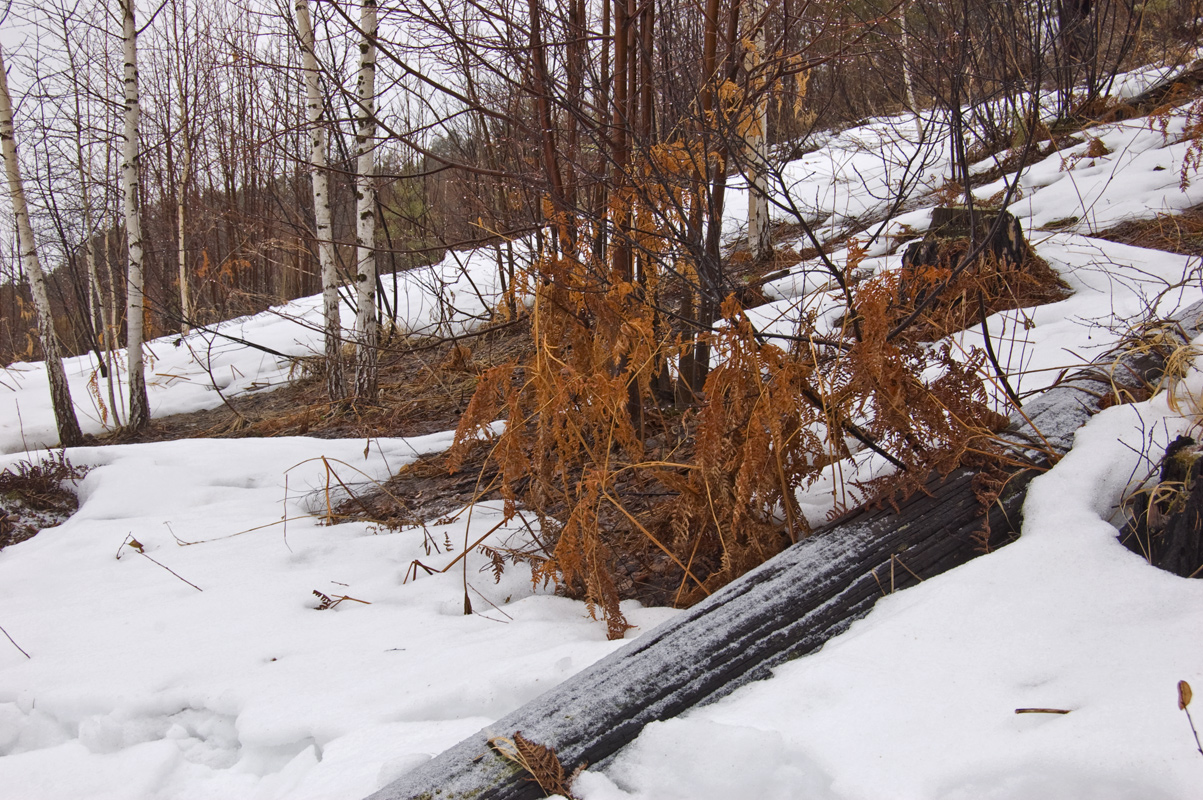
176,649
194,372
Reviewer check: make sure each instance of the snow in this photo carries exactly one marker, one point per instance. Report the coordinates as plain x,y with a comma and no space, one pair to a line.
244,688
196,664
195,372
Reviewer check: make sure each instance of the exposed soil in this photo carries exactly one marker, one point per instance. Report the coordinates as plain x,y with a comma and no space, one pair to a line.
1181,232
424,388
34,496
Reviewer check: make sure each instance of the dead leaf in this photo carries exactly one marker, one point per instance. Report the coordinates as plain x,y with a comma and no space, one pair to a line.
1184,695
539,760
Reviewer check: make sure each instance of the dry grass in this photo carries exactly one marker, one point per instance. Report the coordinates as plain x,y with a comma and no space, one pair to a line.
1176,233
36,495
424,388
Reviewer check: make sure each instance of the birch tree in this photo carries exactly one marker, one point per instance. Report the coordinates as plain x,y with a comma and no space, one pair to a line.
366,332
139,405
185,75
60,393
315,106
759,237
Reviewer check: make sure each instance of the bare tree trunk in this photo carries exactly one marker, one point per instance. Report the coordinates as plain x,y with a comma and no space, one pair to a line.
620,133
336,387
111,338
366,332
710,268
139,404
907,78
60,393
185,69
99,312
760,243
181,195
112,335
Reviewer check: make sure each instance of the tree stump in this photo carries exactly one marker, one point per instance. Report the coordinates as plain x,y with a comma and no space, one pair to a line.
1165,521
952,224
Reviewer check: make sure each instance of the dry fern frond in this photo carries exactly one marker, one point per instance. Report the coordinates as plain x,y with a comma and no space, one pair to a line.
540,761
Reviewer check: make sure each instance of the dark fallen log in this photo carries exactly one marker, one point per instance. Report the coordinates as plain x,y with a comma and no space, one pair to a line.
785,608
1165,521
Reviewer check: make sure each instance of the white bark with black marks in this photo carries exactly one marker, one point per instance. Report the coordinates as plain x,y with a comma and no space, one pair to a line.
336,387
139,405
760,243
367,334
181,245
60,392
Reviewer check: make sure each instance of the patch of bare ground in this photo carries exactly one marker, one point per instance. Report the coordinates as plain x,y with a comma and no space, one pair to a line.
1180,232
37,495
425,491
424,388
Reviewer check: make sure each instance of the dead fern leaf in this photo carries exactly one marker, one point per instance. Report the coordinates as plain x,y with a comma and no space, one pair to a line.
540,761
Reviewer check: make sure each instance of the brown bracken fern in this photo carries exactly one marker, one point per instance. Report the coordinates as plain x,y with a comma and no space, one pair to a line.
589,426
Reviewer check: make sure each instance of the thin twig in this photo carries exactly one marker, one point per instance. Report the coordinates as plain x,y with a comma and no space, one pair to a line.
998,370
173,572
27,655
137,547
1188,719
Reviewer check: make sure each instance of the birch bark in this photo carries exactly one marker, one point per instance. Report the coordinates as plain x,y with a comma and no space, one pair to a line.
367,334
760,242
60,393
139,405
336,387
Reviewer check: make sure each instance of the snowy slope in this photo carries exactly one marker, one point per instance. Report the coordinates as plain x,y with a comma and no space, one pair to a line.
220,679
190,373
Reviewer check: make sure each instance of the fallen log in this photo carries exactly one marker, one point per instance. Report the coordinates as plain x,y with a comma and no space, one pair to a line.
785,608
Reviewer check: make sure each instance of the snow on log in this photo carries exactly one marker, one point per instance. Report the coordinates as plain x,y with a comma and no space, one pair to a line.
787,607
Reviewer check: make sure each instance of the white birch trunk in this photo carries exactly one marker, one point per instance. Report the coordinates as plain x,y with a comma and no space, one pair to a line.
907,81
760,243
366,333
139,405
60,392
181,196
115,395
336,387
185,71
